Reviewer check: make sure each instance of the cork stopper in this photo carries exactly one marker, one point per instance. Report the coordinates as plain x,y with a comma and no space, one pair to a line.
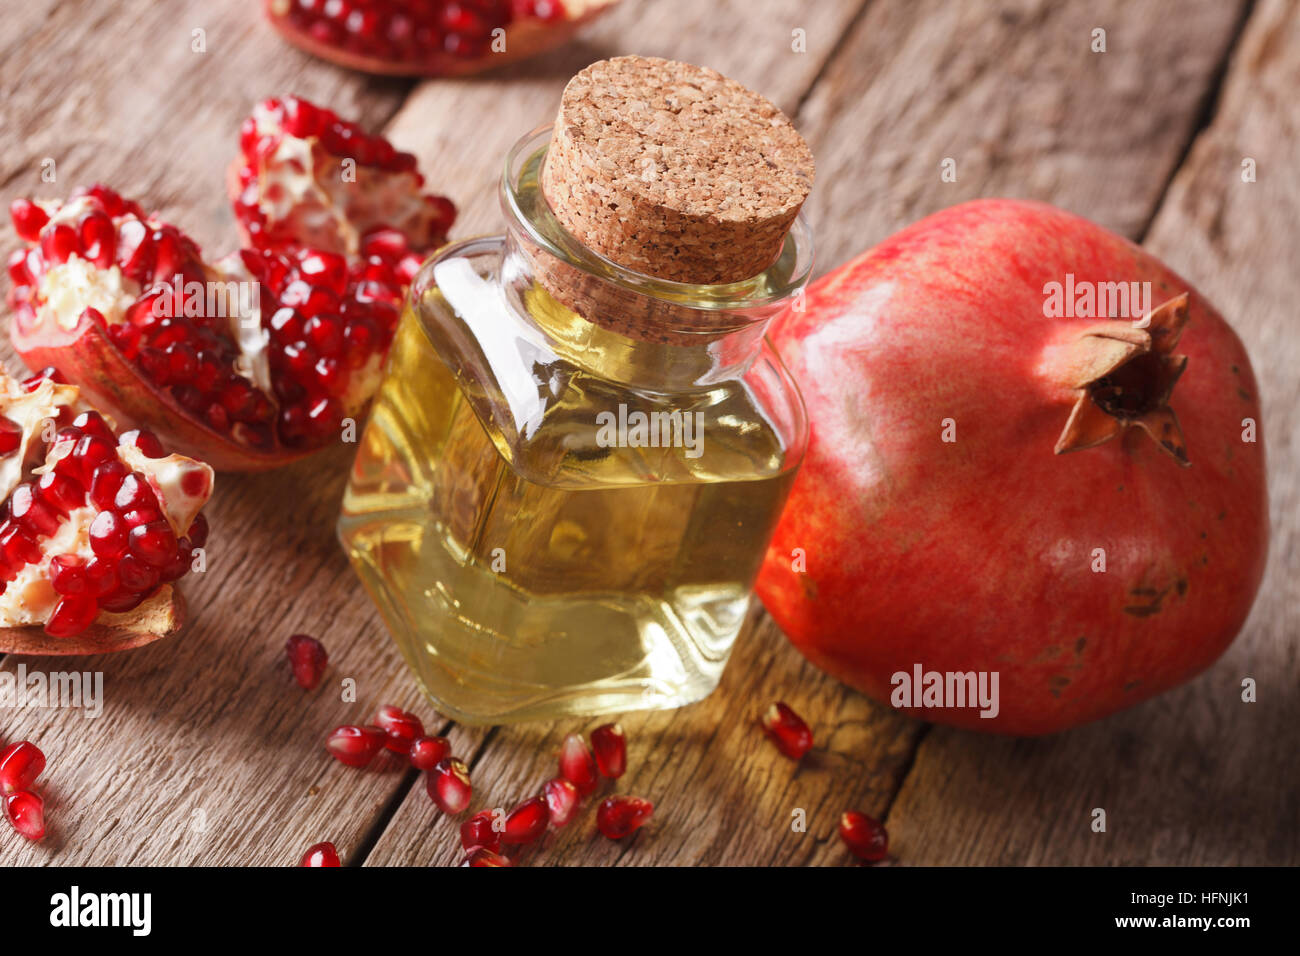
675,171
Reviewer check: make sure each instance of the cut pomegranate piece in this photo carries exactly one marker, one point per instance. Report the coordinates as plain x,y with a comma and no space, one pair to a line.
482,856
426,752
787,730
526,822
561,801
307,179
20,764
402,728
26,812
92,533
322,854
245,365
577,765
355,746
611,750
479,830
865,837
620,815
449,787
431,37
308,658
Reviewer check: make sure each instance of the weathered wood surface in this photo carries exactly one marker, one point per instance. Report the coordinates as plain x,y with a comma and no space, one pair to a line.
207,753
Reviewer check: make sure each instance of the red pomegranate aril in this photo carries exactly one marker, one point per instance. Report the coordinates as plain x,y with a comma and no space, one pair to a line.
322,854
92,423
198,533
482,856
26,812
478,830
561,801
72,615
134,494
11,436
577,765
402,727
307,657
426,752
610,747
99,239
153,543
60,492
15,545
526,822
449,786
620,815
865,837
355,746
136,576
26,508
68,574
28,218
20,764
144,440
105,482
101,577
58,243
49,373
787,730
121,601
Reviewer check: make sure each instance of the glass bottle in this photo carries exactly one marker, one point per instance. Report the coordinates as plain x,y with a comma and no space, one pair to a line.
533,549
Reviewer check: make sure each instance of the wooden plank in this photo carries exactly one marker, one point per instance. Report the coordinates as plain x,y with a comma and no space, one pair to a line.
208,728
724,795
1196,776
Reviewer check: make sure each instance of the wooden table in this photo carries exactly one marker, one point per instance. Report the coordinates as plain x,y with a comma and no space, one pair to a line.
206,751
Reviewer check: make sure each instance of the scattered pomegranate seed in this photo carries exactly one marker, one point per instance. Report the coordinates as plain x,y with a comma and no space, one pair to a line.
482,856
355,746
479,831
426,752
611,750
787,730
26,811
577,765
449,787
620,815
526,822
865,837
401,726
20,764
308,658
322,854
561,801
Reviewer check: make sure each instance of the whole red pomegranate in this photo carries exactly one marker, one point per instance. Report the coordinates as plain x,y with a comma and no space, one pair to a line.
429,37
1004,478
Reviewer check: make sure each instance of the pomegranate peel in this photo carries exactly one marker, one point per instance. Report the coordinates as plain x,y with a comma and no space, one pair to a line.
451,39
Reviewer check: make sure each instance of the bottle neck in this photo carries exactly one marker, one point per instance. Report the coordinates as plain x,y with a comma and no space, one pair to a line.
623,325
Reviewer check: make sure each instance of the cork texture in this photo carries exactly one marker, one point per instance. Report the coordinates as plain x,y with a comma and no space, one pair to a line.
675,171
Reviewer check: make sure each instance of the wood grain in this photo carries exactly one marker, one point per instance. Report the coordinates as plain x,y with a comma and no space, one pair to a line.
1195,776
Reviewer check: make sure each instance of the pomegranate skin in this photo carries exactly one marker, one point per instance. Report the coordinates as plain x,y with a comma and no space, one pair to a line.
978,554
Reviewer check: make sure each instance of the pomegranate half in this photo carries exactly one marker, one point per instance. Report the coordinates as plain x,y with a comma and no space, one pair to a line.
430,37
1002,480
96,527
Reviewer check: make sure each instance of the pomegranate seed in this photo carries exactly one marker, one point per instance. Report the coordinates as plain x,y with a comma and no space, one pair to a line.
153,543
308,659
787,730
611,750
355,746
322,854
865,837
29,219
478,830
68,574
482,856
60,492
20,764
561,801
92,423
449,787
26,508
32,382
11,436
26,811
101,577
135,494
198,533
526,822
426,752
577,765
105,482
144,440
402,728
72,615
620,815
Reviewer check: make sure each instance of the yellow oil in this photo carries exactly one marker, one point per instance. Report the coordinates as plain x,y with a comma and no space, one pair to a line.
527,570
